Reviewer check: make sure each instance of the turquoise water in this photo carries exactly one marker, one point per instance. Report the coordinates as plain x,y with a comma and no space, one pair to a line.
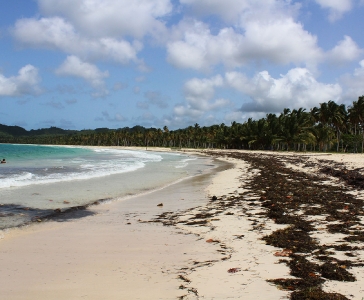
23,153
36,180
32,164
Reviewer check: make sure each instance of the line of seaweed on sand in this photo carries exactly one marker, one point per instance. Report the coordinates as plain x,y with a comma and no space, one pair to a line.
295,198
298,200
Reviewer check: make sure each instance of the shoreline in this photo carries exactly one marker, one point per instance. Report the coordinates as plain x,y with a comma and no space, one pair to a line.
216,249
31,255
37,202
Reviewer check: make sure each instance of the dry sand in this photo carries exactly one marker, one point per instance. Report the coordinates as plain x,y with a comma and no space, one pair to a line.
119,254
103,256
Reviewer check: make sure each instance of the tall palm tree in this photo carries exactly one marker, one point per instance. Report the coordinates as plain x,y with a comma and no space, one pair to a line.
333,115
322,134
356,117
338,115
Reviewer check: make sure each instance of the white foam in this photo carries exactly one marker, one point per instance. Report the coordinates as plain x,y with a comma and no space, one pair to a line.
16,180
93,171
184,163
109,162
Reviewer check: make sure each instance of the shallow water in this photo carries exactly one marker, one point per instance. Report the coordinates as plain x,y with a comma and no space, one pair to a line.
36,180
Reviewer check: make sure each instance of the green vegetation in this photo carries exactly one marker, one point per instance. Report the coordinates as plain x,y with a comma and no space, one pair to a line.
329,127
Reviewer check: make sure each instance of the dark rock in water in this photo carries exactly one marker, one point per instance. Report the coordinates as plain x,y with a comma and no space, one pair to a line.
214,198
160,204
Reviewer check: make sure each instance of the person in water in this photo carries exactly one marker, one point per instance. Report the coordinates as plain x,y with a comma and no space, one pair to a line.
3,161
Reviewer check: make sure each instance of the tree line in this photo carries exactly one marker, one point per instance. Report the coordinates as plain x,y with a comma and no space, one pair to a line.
328,127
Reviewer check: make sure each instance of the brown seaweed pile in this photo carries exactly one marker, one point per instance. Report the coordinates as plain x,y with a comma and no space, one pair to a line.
291,197
351,177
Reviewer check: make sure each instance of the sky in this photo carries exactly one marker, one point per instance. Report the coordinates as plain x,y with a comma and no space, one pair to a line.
86,64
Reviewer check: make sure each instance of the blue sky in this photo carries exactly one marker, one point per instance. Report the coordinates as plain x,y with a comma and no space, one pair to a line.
85,64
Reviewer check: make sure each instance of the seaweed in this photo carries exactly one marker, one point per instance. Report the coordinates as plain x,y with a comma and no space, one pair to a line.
351,177
290,197
291,238
335,271
316,294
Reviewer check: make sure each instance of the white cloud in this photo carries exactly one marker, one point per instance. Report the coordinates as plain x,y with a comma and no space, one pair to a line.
53,33
199,49
281,41
56,33
26,82
200,92
345,51
73,66
353,84
297,88
236,116
112,18
336,7
232,11
241,116
183,111
227,9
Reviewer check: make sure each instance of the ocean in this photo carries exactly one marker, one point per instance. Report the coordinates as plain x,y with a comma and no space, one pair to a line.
36,180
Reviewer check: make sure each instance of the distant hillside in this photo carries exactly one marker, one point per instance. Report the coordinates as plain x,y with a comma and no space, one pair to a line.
17,131
12,130
50,131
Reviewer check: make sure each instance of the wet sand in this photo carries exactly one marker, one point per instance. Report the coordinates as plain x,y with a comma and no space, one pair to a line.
197,246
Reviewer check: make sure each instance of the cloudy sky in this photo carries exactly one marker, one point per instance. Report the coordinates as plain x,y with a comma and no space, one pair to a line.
79,64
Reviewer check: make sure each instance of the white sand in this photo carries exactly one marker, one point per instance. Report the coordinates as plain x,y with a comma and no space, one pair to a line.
102,257
352,290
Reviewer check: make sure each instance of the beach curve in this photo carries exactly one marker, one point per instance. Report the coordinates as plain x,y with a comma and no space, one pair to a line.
213,250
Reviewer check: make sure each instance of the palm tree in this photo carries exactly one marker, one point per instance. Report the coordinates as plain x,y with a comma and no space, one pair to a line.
356,117
338,116
333,115
322,134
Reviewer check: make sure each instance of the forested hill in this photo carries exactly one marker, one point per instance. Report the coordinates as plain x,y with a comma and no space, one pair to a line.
55,135
12,130
17,131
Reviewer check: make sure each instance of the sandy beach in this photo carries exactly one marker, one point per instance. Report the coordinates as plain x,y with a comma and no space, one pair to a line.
265,226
